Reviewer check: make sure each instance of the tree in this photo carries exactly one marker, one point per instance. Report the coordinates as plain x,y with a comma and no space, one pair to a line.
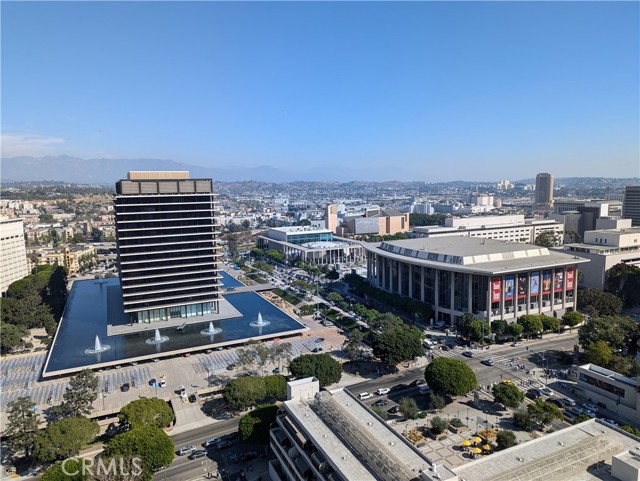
542,413
274,255
599,353
572,319
244,392
80,394
515,330
321,366
507,394
505,439
499,327
332,275
436,402
151,412
617,332
275,387
522,418
408,407
257,252
598,303
335,297
22,425
531,324
254,427
385,322
152,445
352,346
550,324
11,335
398,344
623,280
547,238
471,328
450,376
380,412
64,439
438,425
55,472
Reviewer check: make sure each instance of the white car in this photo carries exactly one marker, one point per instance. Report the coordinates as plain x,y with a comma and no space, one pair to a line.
516,344
365,395
382,391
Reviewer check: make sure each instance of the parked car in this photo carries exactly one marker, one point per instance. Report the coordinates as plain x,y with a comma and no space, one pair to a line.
590,407
417,382
568,401
125,387
162,383
224,445
320,339
556,401
468,354
193,398
231,367
609,421
394,410
381,402
546,391
186,450
382,391
533,394
211,442
276,370
399,387
248,456
365,395
201,453
577,411
316,349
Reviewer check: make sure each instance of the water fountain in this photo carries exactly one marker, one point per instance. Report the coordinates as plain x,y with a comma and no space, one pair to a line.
157,338
211,331
259,322
98,347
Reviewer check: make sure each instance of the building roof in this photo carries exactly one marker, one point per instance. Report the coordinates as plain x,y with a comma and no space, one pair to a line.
564,454
472,254
300,229
332,416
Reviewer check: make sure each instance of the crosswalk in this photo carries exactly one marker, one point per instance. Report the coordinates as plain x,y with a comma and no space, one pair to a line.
505,366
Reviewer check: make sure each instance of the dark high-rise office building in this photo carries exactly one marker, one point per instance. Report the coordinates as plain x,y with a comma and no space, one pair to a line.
544,191
166,234
631,204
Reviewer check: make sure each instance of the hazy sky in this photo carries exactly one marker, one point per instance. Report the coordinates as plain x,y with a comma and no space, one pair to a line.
428,91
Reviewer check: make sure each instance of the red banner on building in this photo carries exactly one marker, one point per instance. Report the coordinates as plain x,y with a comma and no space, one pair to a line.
570,277
496,287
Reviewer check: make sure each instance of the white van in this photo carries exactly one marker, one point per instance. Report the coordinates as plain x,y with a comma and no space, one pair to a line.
365,395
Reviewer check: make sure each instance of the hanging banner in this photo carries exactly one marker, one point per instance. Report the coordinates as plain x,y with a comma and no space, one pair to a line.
509,287
522,285
496,285
558,282
546,282
570,278
534,284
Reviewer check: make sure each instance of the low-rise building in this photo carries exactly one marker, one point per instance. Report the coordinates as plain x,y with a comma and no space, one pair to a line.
68,256
374,220
311,244
605,248
512,228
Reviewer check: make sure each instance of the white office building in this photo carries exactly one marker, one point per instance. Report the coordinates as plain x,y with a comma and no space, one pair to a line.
13,254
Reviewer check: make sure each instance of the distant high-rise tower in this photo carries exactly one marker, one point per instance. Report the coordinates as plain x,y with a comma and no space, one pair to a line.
544,191
331,217
631,204
166,233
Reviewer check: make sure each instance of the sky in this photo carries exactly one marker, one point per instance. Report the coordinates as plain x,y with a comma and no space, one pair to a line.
431,91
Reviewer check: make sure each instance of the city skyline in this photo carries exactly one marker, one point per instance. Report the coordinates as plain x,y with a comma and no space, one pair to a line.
426,90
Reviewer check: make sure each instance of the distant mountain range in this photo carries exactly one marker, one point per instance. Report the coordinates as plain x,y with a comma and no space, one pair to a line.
74,170
65,168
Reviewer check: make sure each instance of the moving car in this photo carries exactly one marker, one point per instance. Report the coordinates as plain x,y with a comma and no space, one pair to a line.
382,391
417,382
506,381
533,394
546,391
487,362
516,344
186,450
201,453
